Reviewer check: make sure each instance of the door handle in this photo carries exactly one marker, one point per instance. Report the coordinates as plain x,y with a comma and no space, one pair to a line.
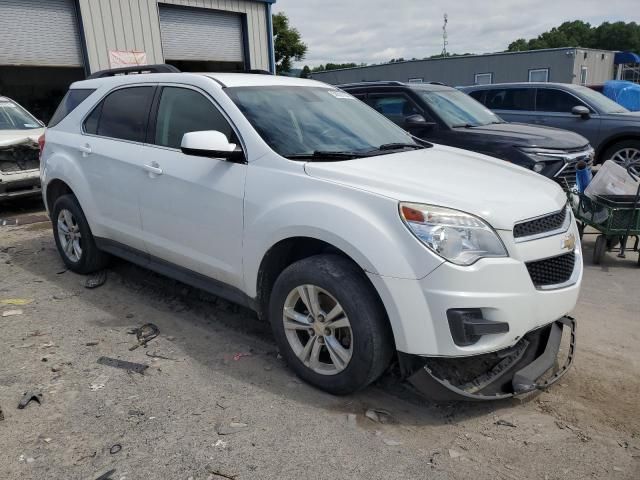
85,149
153,168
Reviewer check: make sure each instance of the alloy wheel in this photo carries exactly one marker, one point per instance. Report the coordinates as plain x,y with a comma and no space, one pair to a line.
625,156
69,235
318,329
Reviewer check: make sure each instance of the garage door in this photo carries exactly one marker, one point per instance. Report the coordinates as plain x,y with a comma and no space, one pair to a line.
200,34
36,32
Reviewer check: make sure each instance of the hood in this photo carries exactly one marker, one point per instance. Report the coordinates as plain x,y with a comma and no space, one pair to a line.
525,135
9,138
500,193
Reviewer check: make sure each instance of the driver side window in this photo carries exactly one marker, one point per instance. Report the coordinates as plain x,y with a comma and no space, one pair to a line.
183,110
395,107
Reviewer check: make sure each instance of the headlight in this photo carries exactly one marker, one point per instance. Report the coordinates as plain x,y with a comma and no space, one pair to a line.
456,236
546,154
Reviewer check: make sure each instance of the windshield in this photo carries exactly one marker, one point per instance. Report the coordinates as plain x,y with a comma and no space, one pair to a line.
297,121
14,117
458,109
598,101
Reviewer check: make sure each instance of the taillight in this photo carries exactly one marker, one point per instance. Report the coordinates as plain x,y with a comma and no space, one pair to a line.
41,145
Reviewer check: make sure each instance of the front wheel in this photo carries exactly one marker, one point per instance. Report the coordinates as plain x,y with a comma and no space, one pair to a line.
599,249
330,325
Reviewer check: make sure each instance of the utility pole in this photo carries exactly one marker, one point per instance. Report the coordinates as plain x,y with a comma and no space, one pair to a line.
445,42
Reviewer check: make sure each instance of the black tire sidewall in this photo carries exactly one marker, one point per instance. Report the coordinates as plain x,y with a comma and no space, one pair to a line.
371,334
91,259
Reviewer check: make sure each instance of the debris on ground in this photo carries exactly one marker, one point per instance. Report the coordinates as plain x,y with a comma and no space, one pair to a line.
351,419
96,279
144,334
115,449
16,301
28,397
505,423
239,355
232,428
454,453
91,344
220,444
156,355
11,313
107,475
99,383
1,414
217,472
391,443
116,363
379,415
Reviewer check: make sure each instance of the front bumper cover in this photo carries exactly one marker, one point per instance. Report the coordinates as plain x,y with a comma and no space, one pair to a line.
513,371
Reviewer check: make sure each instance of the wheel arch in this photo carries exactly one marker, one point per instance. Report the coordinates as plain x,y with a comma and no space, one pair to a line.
54,190
611,141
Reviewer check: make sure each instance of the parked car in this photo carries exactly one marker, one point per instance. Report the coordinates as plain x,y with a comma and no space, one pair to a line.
357,242
19,162
444,115
613,131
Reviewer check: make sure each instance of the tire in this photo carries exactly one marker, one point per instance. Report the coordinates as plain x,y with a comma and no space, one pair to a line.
626,150
335,281
599,249
88,258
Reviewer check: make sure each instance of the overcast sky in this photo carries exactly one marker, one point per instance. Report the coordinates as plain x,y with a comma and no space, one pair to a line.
374,31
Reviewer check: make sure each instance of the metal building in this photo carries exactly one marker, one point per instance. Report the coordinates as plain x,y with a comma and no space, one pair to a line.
47,44
565,65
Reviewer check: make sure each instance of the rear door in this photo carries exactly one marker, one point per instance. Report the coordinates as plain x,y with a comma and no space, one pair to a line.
553,108
113,155
512,104
192,207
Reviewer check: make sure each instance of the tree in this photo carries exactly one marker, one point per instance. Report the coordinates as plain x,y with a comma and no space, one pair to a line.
306,72
607,36
287,43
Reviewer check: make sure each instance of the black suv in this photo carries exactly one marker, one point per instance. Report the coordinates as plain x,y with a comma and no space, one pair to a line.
447,116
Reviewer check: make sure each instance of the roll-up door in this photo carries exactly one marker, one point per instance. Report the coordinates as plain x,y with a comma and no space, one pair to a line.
39,33
199,34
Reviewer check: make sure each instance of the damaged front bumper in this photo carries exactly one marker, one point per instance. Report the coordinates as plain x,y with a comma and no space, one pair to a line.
19,168
531,364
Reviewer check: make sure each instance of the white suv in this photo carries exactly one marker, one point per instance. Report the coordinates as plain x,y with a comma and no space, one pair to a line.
363,246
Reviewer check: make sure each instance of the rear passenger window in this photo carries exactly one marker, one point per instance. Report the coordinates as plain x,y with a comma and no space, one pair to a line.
123,114
478,95
551,100
183,110
71,100
510,99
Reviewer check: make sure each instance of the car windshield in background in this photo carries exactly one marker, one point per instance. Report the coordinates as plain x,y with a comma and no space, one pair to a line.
599,101
457,109
317,121
14,117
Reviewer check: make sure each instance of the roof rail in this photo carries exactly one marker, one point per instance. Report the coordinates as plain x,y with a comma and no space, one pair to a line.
374,82
134,70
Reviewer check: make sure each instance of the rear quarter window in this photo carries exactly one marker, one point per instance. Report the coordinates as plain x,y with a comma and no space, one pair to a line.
69,103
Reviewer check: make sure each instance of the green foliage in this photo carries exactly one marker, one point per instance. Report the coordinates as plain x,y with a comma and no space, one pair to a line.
336,66
306,72
287,43
607,36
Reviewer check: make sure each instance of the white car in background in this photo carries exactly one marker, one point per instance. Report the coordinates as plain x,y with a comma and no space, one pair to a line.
19,152
360,244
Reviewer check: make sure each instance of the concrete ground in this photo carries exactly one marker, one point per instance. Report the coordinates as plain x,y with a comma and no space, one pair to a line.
217,401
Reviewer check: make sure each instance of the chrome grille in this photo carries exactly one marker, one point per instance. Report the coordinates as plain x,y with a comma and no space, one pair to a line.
566,176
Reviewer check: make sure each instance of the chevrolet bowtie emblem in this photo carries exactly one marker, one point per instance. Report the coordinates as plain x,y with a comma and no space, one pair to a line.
569,242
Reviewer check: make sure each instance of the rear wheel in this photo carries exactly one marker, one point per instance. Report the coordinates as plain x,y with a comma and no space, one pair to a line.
73,237
329,324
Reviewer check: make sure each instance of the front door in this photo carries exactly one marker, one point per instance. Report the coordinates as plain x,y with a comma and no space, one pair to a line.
192,207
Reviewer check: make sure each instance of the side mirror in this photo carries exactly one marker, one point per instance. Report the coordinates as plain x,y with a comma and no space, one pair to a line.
417,121
212,144
581,111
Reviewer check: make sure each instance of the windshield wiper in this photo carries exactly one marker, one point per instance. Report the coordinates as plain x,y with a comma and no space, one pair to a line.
325,155
398,146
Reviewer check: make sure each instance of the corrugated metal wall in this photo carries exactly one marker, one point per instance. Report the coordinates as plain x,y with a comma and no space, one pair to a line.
134,25
120,25
256,24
